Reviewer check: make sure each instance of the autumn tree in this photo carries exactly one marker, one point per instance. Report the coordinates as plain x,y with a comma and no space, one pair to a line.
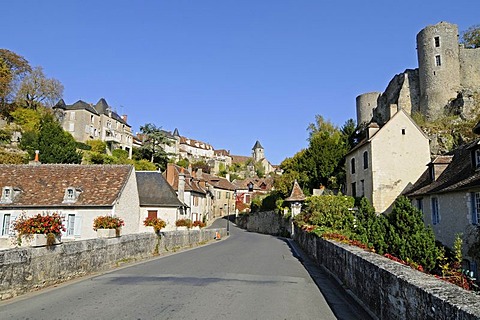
13,68
471,37
37,90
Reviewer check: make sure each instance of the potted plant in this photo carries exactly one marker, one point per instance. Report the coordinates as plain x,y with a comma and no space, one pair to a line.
107,226
198,224
183,224
157,223
39,230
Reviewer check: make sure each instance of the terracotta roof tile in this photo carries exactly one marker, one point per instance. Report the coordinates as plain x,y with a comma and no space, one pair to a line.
44,185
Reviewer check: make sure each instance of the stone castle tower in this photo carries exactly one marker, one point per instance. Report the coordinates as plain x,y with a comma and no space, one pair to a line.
447,74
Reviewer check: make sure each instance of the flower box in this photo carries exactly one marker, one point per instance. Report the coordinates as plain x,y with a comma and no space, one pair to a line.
182,228
38,240
106,233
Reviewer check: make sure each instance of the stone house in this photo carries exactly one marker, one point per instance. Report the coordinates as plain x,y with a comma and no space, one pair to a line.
223,192
448,194
192,192
388,161
86,121
249,188
157,199
77,192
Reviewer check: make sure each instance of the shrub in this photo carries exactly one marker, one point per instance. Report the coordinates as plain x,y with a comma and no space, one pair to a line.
329,211
107,222
157,223
184,223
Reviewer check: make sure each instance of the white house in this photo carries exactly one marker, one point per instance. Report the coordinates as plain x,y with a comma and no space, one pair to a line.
388,161
77,192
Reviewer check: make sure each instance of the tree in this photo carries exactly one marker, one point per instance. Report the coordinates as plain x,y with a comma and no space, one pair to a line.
153,141
37,90
471,37
13,68
408,237
54,144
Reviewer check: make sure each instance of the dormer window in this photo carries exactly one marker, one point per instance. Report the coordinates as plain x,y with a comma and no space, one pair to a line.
7,195
71,195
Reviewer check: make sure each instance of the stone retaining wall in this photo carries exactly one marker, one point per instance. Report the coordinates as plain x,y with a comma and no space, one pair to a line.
389,289
26,269
267,222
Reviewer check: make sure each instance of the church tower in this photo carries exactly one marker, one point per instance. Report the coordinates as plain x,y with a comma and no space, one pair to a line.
258,152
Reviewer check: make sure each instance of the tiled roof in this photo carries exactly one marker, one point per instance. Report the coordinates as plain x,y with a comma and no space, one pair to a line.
154,190
240,159
191,184
44,185
296,194
195,143
458,175
218,182
257,145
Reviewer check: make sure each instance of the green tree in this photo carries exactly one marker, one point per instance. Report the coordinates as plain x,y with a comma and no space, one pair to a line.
28,119
153,141
330,211
408,237
370,227
54,144
98,146
471,37
37,90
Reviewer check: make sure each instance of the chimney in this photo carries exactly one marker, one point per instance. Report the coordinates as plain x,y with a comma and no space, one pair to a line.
170,173
393,109
190,168
124,117
227,176
199,173
372,129
36,161
181,186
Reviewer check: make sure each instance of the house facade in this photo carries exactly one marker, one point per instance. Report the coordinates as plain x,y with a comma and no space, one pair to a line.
192,192
387,162
79,193
86,121
158,199
448,194
223,194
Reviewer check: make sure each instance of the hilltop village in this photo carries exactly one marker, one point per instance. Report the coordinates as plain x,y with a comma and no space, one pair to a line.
398,153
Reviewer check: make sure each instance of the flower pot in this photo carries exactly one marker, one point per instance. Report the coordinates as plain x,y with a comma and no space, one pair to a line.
106,233
38,240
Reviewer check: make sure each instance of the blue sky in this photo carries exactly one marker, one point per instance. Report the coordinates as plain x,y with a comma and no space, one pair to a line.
222,71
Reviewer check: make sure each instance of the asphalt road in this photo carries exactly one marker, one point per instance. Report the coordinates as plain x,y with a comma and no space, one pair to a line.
244,276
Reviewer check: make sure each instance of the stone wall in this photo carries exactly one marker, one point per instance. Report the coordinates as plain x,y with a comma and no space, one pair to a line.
389,289
268,222
26,269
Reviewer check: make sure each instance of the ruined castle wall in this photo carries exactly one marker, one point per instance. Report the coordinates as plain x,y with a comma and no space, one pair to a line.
439,67
470,68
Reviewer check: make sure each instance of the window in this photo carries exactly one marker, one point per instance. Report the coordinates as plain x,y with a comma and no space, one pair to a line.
72,115
477,158
403,131
247,198
152,214
354,189
362,187
227,194
437,41
365,160
352,165
475,197
7,195
420,204
435,213
71,127
219,195
70,194
438,60
91,119
70,225
6,224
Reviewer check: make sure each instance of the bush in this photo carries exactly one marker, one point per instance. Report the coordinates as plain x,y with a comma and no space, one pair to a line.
329,211
107,222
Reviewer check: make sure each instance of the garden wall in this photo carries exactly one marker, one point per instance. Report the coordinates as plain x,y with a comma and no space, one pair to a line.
267,222
26,269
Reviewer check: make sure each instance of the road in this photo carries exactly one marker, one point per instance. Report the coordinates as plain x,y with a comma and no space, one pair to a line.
244,276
